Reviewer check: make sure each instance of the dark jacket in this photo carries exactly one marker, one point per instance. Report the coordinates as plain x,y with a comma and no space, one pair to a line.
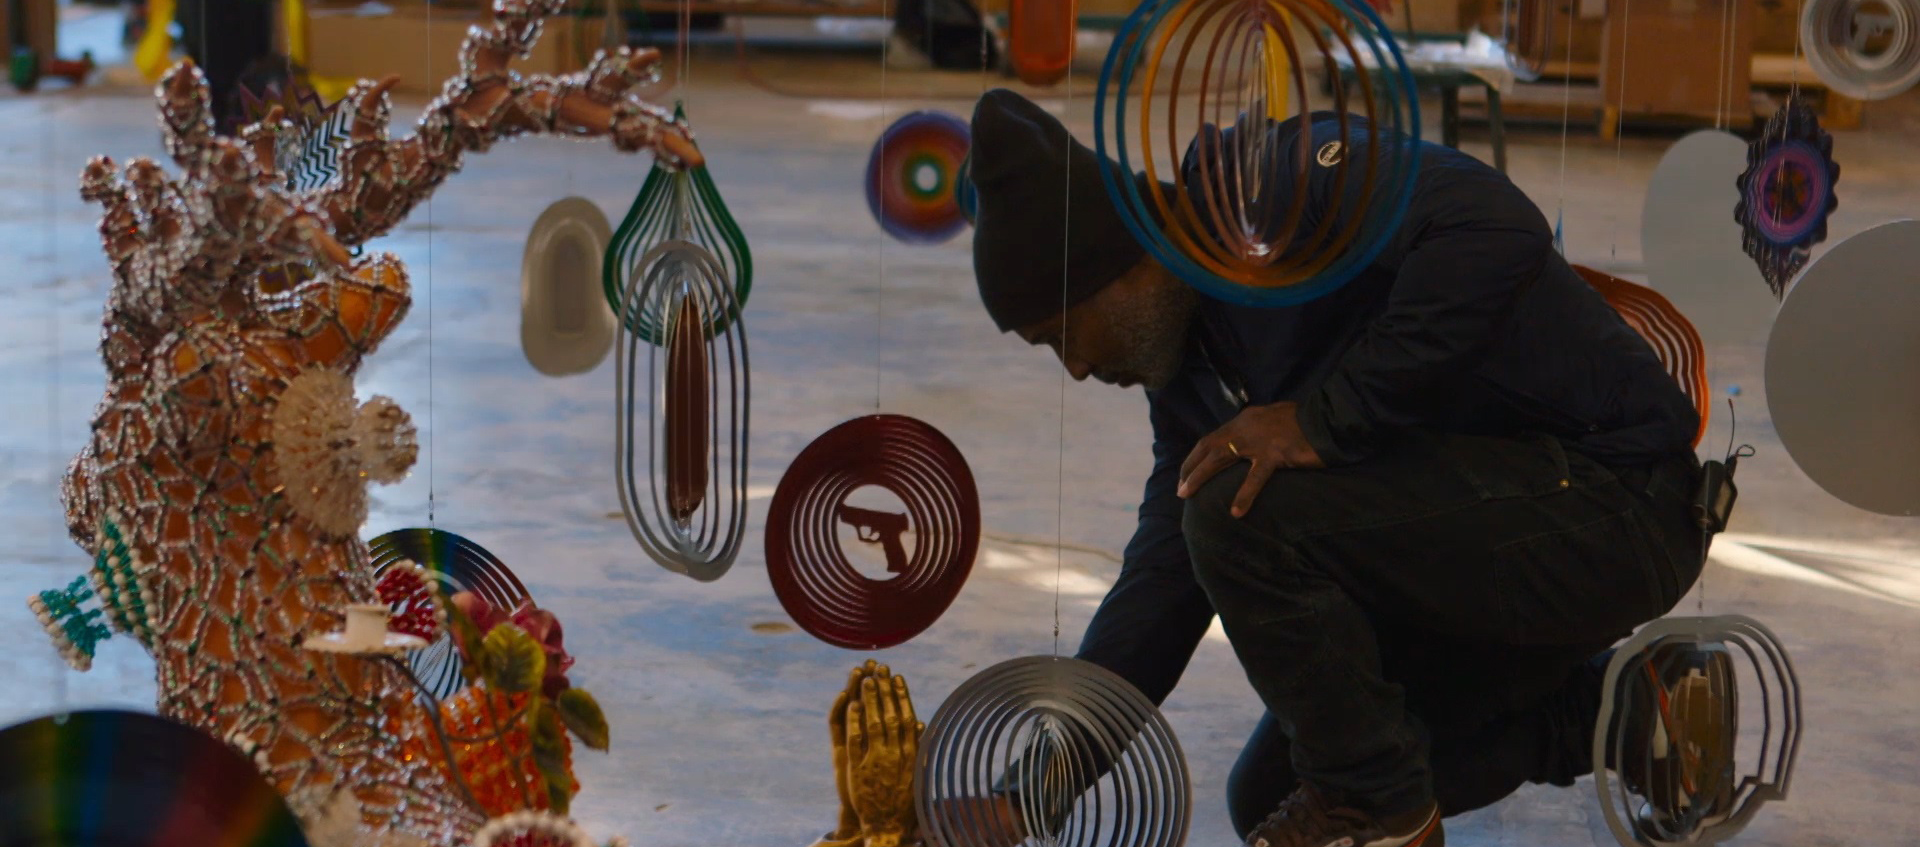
1468,321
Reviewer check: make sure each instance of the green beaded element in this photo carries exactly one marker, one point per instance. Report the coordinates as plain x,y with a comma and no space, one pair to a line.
76,631
119,586
683,204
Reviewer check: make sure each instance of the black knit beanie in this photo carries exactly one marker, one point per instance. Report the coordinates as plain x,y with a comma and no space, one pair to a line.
1043,220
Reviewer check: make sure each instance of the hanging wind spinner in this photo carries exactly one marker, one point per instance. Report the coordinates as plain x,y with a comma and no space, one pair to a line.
678,275
1670,716
1864,49
929,546
446,564
913,177
675,203
1087,758
1225,229
1041,36
1786,193
690,513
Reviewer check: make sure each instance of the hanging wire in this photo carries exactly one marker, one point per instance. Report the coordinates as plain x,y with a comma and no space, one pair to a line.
1066,256
433,432
1723,93
53,352
1566,112
880,279
1620,112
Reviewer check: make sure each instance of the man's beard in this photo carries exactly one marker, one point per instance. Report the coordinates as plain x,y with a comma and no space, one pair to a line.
1154,332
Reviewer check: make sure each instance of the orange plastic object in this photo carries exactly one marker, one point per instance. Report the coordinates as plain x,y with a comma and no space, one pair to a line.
1040,39
687,388
1673,337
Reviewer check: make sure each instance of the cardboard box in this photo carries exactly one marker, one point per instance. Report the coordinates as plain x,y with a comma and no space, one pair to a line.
1547,43
1666,57
422,44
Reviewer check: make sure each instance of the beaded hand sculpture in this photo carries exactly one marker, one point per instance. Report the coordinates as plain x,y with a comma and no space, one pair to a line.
225,482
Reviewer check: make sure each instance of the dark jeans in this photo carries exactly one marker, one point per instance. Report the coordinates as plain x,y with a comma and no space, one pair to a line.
1424,625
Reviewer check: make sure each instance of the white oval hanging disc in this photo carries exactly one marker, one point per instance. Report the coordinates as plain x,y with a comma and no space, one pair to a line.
1864,49
1843,370
566,326
1692,242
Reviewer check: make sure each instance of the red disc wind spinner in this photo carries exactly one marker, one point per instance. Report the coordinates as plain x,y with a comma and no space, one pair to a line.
929,548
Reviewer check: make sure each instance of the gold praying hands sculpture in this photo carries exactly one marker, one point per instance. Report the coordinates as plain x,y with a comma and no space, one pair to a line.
876,738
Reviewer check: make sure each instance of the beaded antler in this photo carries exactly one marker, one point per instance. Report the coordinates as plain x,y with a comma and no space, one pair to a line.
225,482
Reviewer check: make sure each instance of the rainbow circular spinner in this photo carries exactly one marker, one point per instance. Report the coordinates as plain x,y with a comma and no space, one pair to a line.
913,177
1087,758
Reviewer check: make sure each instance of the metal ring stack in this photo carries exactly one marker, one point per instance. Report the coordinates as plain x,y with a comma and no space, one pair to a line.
689,514
818,586
1085,756
1225,230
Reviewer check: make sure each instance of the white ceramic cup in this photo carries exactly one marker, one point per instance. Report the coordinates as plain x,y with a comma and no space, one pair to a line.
366,624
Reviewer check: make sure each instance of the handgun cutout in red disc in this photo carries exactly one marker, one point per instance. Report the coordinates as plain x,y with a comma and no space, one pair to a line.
929,549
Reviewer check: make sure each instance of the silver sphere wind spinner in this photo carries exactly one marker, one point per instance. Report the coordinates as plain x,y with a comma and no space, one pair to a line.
1671,722
1086,757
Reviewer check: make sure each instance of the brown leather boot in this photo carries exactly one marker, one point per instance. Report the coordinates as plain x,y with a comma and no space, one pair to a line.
1309,818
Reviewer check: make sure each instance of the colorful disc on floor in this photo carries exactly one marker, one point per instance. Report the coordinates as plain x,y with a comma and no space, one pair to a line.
110,778
1087,757
896,494
456,564
1786,193
1864,49
1695,762
912,177
1237,73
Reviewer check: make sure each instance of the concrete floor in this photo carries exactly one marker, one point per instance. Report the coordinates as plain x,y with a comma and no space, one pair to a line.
719,730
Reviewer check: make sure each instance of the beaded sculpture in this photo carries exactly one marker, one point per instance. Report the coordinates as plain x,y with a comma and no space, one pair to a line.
225,481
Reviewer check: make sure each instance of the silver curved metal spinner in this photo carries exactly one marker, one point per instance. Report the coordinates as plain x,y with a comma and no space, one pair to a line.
1087,758
1864,49
1671,719
681,412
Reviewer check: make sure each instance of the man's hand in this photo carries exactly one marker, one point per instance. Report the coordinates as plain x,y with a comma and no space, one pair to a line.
1268,436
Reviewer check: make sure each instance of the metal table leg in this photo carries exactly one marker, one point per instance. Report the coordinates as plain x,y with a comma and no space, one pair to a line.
1498,126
